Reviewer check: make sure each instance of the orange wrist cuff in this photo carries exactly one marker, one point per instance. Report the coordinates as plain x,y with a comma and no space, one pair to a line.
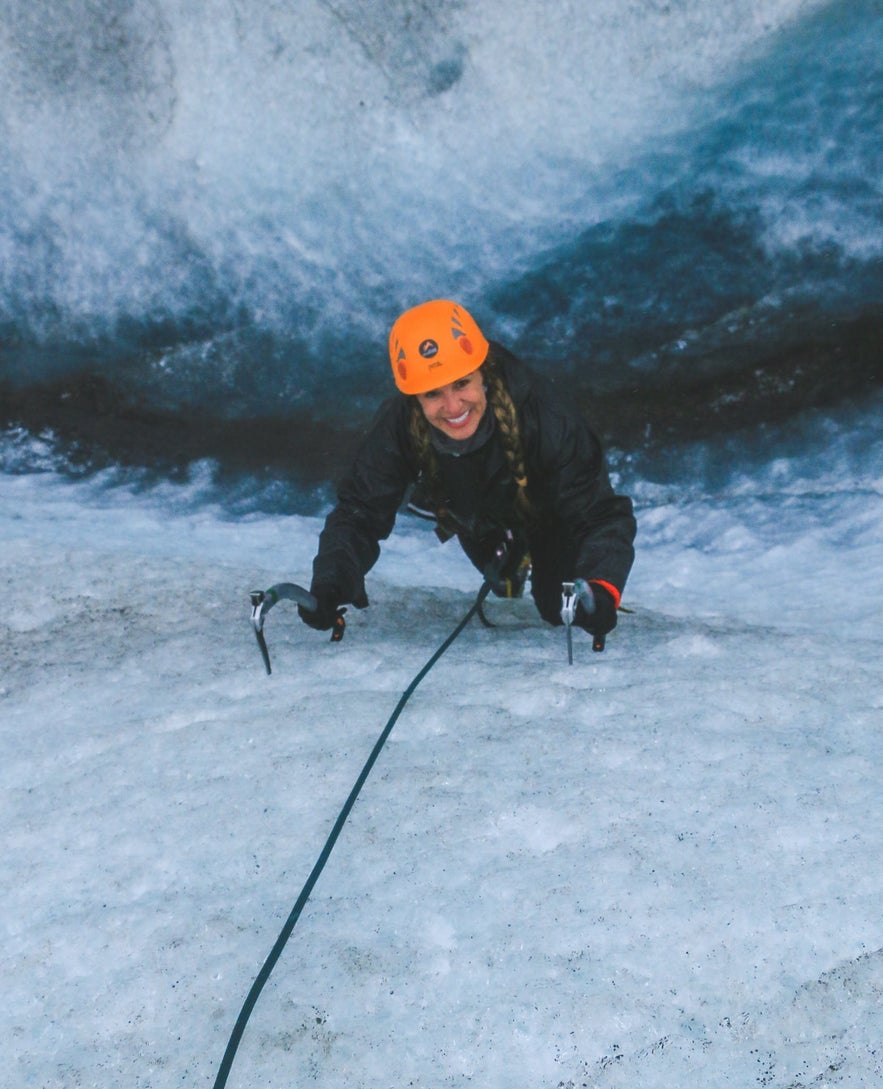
610,588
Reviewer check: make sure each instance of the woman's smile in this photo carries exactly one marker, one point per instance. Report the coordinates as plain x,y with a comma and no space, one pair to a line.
458,421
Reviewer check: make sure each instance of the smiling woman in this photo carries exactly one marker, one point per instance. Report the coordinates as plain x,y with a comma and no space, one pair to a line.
501,462
436,350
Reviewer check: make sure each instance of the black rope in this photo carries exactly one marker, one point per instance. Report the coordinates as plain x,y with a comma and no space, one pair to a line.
285,934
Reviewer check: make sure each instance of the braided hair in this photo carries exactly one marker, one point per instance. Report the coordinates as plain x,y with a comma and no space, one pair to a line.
503,408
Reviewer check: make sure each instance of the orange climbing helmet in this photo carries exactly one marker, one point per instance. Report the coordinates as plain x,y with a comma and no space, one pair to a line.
433,344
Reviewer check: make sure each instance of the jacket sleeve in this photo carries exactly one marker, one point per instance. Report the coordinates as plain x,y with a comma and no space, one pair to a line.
572,468
367,501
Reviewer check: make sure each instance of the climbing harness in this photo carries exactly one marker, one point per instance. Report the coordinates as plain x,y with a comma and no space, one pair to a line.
261,604
507,577
573,593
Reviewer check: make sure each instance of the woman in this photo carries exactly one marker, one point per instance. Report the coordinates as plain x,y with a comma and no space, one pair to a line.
501,461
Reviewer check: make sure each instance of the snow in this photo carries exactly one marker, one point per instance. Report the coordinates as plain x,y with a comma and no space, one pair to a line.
656,867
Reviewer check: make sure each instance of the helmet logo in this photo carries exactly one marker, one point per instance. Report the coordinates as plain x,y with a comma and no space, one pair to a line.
428,349
459,335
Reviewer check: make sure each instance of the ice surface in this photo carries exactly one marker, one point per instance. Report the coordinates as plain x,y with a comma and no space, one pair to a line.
657,867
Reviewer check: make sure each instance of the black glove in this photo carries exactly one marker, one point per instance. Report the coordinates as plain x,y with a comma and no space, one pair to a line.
603,619
324,617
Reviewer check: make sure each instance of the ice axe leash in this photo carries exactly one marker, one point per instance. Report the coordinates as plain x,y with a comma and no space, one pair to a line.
264,974
264,600
573,593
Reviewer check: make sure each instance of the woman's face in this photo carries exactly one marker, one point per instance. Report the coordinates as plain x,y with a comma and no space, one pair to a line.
457,408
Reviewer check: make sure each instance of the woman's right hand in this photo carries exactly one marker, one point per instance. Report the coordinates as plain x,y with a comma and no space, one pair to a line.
328,609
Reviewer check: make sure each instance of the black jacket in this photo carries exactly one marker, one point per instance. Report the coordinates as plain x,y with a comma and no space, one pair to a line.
568,486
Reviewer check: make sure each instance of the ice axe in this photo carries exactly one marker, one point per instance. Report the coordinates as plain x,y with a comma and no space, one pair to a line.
572,593
264,600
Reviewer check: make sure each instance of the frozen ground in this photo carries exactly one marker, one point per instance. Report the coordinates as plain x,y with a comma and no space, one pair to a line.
659,867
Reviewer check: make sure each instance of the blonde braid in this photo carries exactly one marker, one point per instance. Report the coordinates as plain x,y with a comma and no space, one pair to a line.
510,435
426,459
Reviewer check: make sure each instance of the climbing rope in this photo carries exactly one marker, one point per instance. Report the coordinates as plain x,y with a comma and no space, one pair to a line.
290,923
